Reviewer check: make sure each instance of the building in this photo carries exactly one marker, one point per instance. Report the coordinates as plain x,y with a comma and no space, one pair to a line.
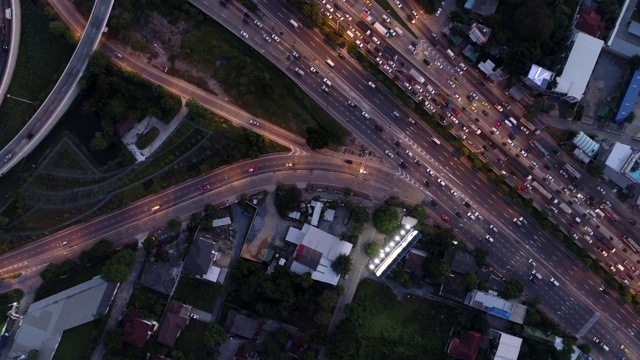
496,306
629,99
479,34
136,331
508,346
414,261
481,7
579,66
586,145
460,261
201,257
45,321
240,325
589,22
624,40
623,165
466,348
315,252
176,318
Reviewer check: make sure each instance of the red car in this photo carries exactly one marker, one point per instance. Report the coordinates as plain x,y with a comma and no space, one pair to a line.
498,123
252,169
204,187
456,112
445,217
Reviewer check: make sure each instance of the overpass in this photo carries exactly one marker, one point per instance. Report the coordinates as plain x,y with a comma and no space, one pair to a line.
62,94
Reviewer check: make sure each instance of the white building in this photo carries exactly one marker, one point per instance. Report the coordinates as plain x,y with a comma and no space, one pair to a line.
623,165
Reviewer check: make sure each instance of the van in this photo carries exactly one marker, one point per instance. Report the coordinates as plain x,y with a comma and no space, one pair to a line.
350,34
375,40
399,31
330,63
450,53
620,267
554,282
462,66
435,141
536,274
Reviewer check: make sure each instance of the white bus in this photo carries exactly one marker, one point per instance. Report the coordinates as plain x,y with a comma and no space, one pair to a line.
436,141
450,53
330,63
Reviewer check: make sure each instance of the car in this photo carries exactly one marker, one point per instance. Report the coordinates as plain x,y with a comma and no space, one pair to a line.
275,37
326,89
506,105
473,108
409,153
253,169
412,49
426,183
485,112
488,238
451,83
389,154
402,164
378,127
498,107
398,152
438,64
498,123
7,158
64,243
515,220
386,18
434,36
439,12
534,164
417,162
246,36
457,97
485,104
204,187
407,85
258,23
482,85
444,217
588,230
351,104
254,122
511,142
471,216
603,191
454,193
386,67
195,316
495,131
360,44
493,228
442,183
289,164
478,216
266,38
313,70
430,172
550,178
298,57
365,115
398,3
458,214
608,203
459,70
522,152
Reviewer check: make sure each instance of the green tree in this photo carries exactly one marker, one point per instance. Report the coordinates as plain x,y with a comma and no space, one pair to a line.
342,265
420,213
98,143
150,244
513,289
214,336
317,138
118,267
480,255
471,280
174,225
437,269
287,199
113,340
386,219
373,250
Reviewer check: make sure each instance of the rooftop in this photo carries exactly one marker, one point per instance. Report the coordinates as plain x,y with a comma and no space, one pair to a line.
630,98
466,348
577,71
482,7
589,22
240,325
135,330
176,318
496,306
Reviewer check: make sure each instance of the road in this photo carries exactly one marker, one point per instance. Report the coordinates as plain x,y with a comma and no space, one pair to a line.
62,94
9,44
514,244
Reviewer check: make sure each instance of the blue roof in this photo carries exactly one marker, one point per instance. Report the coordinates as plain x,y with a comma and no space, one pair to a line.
499,313
629,99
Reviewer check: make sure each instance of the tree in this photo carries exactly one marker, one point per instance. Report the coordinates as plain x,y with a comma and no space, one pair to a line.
373,250
98,143
113,340
471,280
174,225
117,268
420,213
342,265
386,219
317,138
513,289
437,269
287,199
214,336
480,255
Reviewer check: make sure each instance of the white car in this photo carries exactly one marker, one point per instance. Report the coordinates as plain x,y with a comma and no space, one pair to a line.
442,183
407,85
454,193
534,164
495,131
488,238
275,37
511,142
409,153
386,18
439,12
522,152
550,178
603,191
438,64
493,228
398,3
471,216
457,97
459,70
360,45
386,67
254,122
389,154
313,70
515,220
365,115
477,215
430,172
246,36
451,83
258,23
266,38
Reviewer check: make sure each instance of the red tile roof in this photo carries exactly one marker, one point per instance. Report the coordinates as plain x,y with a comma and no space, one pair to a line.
136,331
589,22
466,349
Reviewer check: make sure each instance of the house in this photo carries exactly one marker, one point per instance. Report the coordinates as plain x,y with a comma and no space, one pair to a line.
202,253
589,22
315,252
629,100
45,321
240,325
498,307
461,261
479,33
136,331
466,348
623,165
508,346
176,318
482,7
414,261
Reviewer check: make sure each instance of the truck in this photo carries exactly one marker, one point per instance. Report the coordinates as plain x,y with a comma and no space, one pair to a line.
607,243
300,72
399,31
364,27
367,17
565,208
295,24
380,29
419,78
392,53
542,190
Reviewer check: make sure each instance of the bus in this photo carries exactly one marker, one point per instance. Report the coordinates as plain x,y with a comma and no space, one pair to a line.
539,148
330,63
527,125
521,168
572,172
450,53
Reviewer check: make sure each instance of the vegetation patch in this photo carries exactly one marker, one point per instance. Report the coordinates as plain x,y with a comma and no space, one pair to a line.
78,343
147,138
191,340
378,326
201,294
42,57
149,303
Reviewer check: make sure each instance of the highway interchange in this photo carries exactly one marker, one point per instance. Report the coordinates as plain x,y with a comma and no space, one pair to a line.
577,303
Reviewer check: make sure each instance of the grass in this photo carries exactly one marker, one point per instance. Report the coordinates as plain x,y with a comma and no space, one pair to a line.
198,293
78,342
42,56
148,302
386,5
78,277
191,340
147,138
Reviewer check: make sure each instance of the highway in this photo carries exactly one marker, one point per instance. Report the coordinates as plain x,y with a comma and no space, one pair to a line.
62,94
576,303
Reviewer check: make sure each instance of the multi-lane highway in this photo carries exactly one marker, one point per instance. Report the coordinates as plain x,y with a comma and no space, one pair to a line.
576,302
